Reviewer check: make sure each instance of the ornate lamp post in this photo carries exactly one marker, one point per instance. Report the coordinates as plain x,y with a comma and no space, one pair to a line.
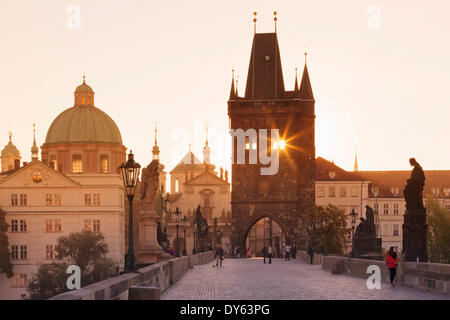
353,216
325,224
194,229
184,221
177,214
130,173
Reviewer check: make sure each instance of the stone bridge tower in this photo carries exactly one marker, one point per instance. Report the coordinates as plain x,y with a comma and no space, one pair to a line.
287,195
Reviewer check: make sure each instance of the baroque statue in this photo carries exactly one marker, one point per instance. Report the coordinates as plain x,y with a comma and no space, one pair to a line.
413,191
149,186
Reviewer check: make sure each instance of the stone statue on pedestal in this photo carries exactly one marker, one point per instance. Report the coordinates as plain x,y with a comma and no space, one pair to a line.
415,217
365,243
149,250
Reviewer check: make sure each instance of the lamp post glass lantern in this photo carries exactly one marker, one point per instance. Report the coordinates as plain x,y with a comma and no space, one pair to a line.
130,174
194,229
177,214
184,221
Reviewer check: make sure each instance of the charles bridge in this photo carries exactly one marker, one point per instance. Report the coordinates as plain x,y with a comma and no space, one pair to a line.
329,277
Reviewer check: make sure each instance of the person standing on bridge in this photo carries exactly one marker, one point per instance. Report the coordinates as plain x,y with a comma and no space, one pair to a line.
219,255
287,249
392,262
264,252
269,253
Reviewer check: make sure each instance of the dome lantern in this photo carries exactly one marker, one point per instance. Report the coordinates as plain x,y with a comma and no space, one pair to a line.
84,95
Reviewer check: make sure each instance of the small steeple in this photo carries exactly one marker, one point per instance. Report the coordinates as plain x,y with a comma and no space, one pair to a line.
254,21
206,150
84,95
237,86
305,91
355,168
232,91
275,20
34,148
296,80
155,149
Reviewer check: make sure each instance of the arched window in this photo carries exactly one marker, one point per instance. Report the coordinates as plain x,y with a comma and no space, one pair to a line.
82,100
177,185
53,163
77,164
104,164
89,100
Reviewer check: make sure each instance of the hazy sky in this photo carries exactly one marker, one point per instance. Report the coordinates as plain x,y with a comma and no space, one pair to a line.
382,89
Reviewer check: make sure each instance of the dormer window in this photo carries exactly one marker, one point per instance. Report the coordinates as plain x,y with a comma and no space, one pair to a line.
394,191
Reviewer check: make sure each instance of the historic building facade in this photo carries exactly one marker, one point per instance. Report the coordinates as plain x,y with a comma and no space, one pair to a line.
289,193
74,187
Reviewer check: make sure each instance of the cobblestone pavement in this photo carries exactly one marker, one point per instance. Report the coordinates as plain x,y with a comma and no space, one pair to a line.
247,279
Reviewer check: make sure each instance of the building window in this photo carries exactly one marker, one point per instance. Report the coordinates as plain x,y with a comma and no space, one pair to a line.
23,252
14,226
87,225
87,199
23,226
177,185
19,281
343,192
96,199
395,231
14,252
386,208
355,192
58,225
396,208
53,163
14,200
435,192
49,252
447,192
96,226
52,199
48,225
77,164
332,192
23,199
320,192
394,191
104,164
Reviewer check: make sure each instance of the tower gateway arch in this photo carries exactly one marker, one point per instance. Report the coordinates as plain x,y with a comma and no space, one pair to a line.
287,195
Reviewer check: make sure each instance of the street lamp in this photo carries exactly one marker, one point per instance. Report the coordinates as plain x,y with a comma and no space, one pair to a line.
184,221
194,227
353,216
177,214
325,224
130,173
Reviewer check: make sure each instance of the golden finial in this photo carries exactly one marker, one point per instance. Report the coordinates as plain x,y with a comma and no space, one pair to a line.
306,52
207,134
275,19
254,20
10,135
156,134
84,78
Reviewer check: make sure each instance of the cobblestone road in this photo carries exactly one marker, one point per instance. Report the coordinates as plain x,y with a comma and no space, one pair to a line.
247,279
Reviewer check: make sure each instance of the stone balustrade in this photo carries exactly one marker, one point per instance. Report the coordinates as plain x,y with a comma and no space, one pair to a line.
160,275
430,276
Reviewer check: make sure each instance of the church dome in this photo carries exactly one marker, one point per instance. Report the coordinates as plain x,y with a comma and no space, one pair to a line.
10,150
83,124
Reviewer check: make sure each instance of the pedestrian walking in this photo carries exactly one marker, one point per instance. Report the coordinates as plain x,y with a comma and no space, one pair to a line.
392,262
219,255
264,252
269,253
287,249
294,251
238,251
311,253
249,253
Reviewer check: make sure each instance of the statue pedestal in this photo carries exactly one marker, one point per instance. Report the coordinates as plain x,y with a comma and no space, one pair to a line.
149,250
415,235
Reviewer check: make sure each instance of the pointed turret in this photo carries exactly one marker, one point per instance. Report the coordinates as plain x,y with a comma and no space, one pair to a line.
155,149
34,148
296,81
232,91
305,91
206,150
355,168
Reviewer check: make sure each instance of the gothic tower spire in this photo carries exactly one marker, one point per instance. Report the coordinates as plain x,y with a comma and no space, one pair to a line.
155,149
34,148
355,168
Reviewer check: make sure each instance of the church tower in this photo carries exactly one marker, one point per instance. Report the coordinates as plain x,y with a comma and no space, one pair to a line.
288,195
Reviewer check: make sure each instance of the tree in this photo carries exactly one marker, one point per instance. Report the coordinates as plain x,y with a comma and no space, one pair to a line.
85,249
334,232
5,257
438,233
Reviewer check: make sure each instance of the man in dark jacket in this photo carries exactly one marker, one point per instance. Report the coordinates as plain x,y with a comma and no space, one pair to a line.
219,255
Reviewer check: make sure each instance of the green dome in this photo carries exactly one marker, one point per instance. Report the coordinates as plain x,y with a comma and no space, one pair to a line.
10,150
83,124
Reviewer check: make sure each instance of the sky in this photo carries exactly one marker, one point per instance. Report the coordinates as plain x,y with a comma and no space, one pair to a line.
379,70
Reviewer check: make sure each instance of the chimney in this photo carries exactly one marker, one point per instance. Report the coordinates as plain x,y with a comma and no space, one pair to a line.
16,163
